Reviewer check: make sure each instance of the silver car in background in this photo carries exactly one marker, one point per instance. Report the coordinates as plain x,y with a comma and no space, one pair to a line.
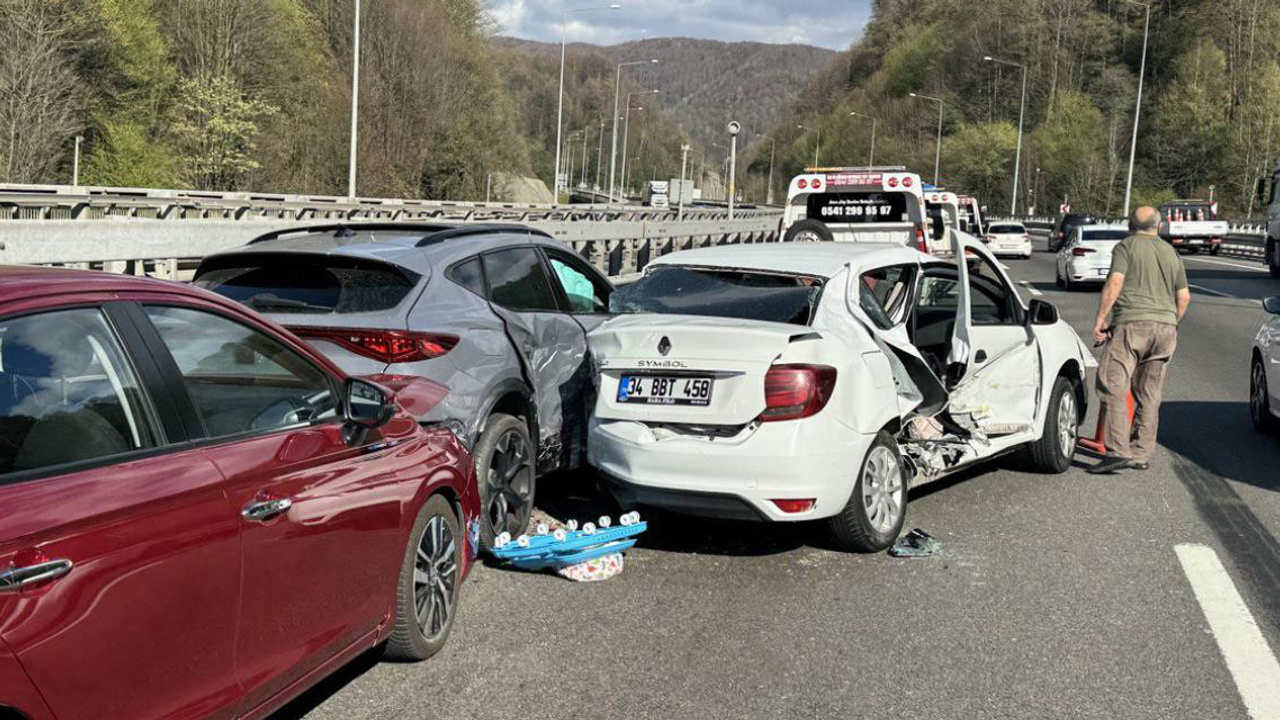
498,313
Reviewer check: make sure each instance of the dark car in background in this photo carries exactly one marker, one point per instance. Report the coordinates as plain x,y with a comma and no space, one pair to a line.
1063,229
497,313
203,516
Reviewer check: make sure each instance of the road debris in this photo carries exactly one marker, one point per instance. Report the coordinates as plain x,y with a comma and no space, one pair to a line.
916,543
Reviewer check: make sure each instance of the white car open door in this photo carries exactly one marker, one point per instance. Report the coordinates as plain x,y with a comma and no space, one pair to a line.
998,391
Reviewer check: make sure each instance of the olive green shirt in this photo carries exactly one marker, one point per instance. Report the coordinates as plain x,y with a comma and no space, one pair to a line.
1153,275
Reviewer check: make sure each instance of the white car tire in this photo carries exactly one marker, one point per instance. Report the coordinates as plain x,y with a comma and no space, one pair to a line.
873,517
1260,399
1052,453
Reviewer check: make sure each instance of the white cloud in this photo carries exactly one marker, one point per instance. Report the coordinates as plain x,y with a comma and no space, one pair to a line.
828,23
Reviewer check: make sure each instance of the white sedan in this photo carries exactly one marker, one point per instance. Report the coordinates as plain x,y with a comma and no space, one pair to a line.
1008,238
793,382
1086,256
1264,372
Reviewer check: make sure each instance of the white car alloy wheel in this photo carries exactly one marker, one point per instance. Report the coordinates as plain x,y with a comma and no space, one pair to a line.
882,489
1259,402
1067,425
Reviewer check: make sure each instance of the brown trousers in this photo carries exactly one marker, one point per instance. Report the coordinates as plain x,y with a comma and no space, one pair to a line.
1135,360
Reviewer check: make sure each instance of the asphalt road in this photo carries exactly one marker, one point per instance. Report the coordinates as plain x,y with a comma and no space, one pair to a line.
1055,596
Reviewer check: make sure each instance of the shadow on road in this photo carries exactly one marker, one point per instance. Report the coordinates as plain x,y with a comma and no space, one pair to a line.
328,687
1219,438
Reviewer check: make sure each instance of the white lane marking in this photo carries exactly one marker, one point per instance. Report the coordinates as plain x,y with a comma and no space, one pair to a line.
1027,284
1224,263
1245,650
1211,291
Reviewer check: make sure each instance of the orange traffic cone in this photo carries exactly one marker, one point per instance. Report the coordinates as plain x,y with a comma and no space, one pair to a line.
1098,444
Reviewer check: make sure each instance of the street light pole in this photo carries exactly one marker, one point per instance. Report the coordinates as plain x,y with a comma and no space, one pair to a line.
586,136
75,163
488,188
684,166
617,96
355,104
564,33
734,128
600,156
1137,110
626,133
1022,109
937,157
871,161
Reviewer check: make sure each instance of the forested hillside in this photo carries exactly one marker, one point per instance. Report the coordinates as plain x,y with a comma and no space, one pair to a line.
255,95
705,83
1209,109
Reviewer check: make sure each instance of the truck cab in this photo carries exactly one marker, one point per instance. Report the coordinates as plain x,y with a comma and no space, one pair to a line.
856,204
971,220
1192,225
943,210
1269,195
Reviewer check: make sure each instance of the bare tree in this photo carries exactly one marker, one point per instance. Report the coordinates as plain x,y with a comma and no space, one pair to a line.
39,99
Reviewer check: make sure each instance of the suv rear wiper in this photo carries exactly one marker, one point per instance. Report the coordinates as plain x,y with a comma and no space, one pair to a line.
273,302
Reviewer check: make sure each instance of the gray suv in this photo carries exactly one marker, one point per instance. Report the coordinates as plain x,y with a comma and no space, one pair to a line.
498,313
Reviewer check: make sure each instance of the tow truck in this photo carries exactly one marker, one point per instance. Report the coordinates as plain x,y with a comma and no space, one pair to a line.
856,204
1192,225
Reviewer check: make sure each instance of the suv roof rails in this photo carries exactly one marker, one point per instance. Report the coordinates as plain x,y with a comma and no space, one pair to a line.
431,232
480,229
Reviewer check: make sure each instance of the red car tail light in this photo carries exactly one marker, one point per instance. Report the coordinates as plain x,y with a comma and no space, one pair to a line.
793,392
794,506
389,346
921,245
1082,251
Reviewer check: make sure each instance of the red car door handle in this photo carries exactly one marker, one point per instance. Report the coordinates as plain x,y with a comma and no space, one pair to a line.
264,510
18,577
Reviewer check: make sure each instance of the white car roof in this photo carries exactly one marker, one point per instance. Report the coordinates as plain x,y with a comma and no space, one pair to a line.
823,260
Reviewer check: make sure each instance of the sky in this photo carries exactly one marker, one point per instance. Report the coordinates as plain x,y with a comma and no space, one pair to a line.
828,23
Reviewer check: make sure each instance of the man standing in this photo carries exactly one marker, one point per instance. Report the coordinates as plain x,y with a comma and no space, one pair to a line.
1146,295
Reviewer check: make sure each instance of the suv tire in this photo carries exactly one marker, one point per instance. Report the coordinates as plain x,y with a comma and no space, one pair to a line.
430,578
1052,453
812,230
505,472
882,484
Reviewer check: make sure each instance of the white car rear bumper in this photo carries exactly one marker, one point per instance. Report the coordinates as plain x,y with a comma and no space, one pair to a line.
1082,270
1020,249
734,477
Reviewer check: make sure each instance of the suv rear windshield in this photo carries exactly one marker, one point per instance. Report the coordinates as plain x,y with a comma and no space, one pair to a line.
290,283
1007,230
857,207
737,294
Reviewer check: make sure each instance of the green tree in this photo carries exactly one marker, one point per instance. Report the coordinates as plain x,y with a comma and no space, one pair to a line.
1189,124
980,160
218,129
126,155
1070,149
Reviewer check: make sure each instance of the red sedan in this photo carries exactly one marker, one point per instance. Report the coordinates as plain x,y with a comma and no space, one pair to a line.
200,516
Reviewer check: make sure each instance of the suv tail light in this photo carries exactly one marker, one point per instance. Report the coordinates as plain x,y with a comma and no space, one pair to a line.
792,392
389,346
1082,251
921,245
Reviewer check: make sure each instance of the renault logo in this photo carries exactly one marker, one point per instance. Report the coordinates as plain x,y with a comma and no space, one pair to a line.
664,346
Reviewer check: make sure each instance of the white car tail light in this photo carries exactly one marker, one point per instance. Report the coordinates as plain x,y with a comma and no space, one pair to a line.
793,392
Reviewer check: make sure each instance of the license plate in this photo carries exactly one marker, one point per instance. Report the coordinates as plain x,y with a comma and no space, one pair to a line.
665,390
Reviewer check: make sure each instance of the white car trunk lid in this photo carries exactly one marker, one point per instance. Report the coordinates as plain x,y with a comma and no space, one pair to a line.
733,354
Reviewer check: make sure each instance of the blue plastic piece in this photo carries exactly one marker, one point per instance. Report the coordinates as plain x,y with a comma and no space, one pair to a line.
545,551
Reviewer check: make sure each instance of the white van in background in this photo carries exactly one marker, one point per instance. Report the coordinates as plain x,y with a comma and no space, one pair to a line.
943,210
856,204
971,220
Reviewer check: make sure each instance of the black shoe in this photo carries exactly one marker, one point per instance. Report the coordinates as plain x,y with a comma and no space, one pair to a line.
1139,465
1110,465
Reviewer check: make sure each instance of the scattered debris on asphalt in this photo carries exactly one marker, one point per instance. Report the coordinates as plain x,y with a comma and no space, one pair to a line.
916,543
